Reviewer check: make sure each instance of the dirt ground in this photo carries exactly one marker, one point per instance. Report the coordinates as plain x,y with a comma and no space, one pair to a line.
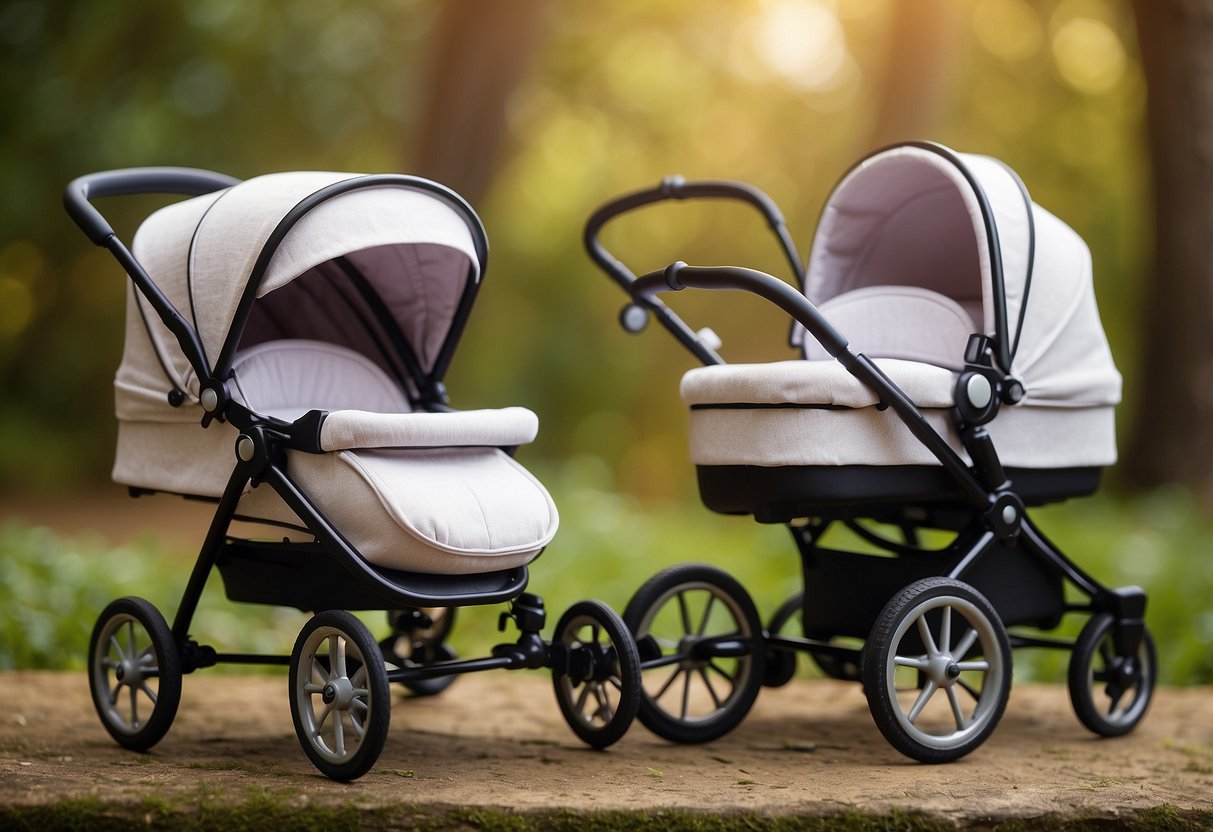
496,740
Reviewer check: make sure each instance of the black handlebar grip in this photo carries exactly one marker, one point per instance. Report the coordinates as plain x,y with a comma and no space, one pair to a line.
129,182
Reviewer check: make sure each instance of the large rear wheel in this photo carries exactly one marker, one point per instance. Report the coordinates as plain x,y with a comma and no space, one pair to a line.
701,643
937,670
339,695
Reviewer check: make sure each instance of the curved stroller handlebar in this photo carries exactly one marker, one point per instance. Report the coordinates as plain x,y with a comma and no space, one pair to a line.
130,182
677,188
678,276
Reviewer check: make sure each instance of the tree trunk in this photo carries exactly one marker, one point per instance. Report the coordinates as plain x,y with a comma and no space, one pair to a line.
924,43
479,54
1172,437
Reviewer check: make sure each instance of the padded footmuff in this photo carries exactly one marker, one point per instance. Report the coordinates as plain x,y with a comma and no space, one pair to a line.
443,511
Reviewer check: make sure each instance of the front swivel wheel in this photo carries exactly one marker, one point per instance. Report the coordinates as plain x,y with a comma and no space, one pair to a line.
596,673
134,673
1110,691
339,695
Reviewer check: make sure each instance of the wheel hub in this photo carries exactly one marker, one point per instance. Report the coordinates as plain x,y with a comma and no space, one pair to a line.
339,693
129,672
943,671
686,645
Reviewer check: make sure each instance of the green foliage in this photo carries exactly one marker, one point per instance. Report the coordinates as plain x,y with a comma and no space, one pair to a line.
52,588
618,96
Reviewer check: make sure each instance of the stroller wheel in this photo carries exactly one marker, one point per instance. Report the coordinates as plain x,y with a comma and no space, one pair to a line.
937,670
339,695
1110,692
418,639
134,673
781,664
598,687
702,648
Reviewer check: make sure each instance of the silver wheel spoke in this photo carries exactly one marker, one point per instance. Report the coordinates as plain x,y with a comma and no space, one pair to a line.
921,701
616,681
312,687
117,647
928,640
961,722
359,730
585,694
969,689
708,682
978,665
668,683
328,709
707,611
339,734
966,644
130,639
945,629
605,712
359,678
149,692
916,663
319,674
732,679
337,652
686,613
114,693
360,704
686,694
134,707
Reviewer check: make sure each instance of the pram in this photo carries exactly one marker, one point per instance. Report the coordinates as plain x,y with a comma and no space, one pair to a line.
286,343
956,373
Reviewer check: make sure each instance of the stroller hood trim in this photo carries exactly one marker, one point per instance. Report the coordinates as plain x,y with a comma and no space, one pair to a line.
213,256
964,226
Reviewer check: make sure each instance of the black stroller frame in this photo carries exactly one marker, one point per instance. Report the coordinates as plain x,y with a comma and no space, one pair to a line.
329,575
999,561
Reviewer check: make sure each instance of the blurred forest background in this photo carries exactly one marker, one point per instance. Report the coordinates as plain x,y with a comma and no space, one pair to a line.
537,111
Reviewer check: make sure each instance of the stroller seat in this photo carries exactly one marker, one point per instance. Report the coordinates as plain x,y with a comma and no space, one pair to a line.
357,315
414,491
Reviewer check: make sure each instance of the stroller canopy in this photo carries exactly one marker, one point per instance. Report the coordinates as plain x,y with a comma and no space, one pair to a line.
387,266
963,226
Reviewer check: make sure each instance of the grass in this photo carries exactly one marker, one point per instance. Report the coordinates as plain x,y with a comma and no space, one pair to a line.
266,811
52,587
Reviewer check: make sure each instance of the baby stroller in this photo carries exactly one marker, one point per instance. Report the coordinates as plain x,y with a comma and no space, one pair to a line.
286,343
955,374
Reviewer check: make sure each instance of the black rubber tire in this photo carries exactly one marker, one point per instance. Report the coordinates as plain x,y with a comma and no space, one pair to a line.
426,647
615,664
1095,634
751,668
781,664
895,628
337,763
166,664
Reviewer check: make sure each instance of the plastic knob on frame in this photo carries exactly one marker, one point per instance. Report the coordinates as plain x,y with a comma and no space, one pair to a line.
633,318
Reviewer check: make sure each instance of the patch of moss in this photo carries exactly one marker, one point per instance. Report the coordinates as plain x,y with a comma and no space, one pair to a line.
262,810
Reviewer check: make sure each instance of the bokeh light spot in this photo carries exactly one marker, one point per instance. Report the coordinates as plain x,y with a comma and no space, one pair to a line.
16,306
1088,54
1008,29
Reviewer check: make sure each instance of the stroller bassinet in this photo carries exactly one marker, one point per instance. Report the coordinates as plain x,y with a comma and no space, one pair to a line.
286,343
904,265
954,373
